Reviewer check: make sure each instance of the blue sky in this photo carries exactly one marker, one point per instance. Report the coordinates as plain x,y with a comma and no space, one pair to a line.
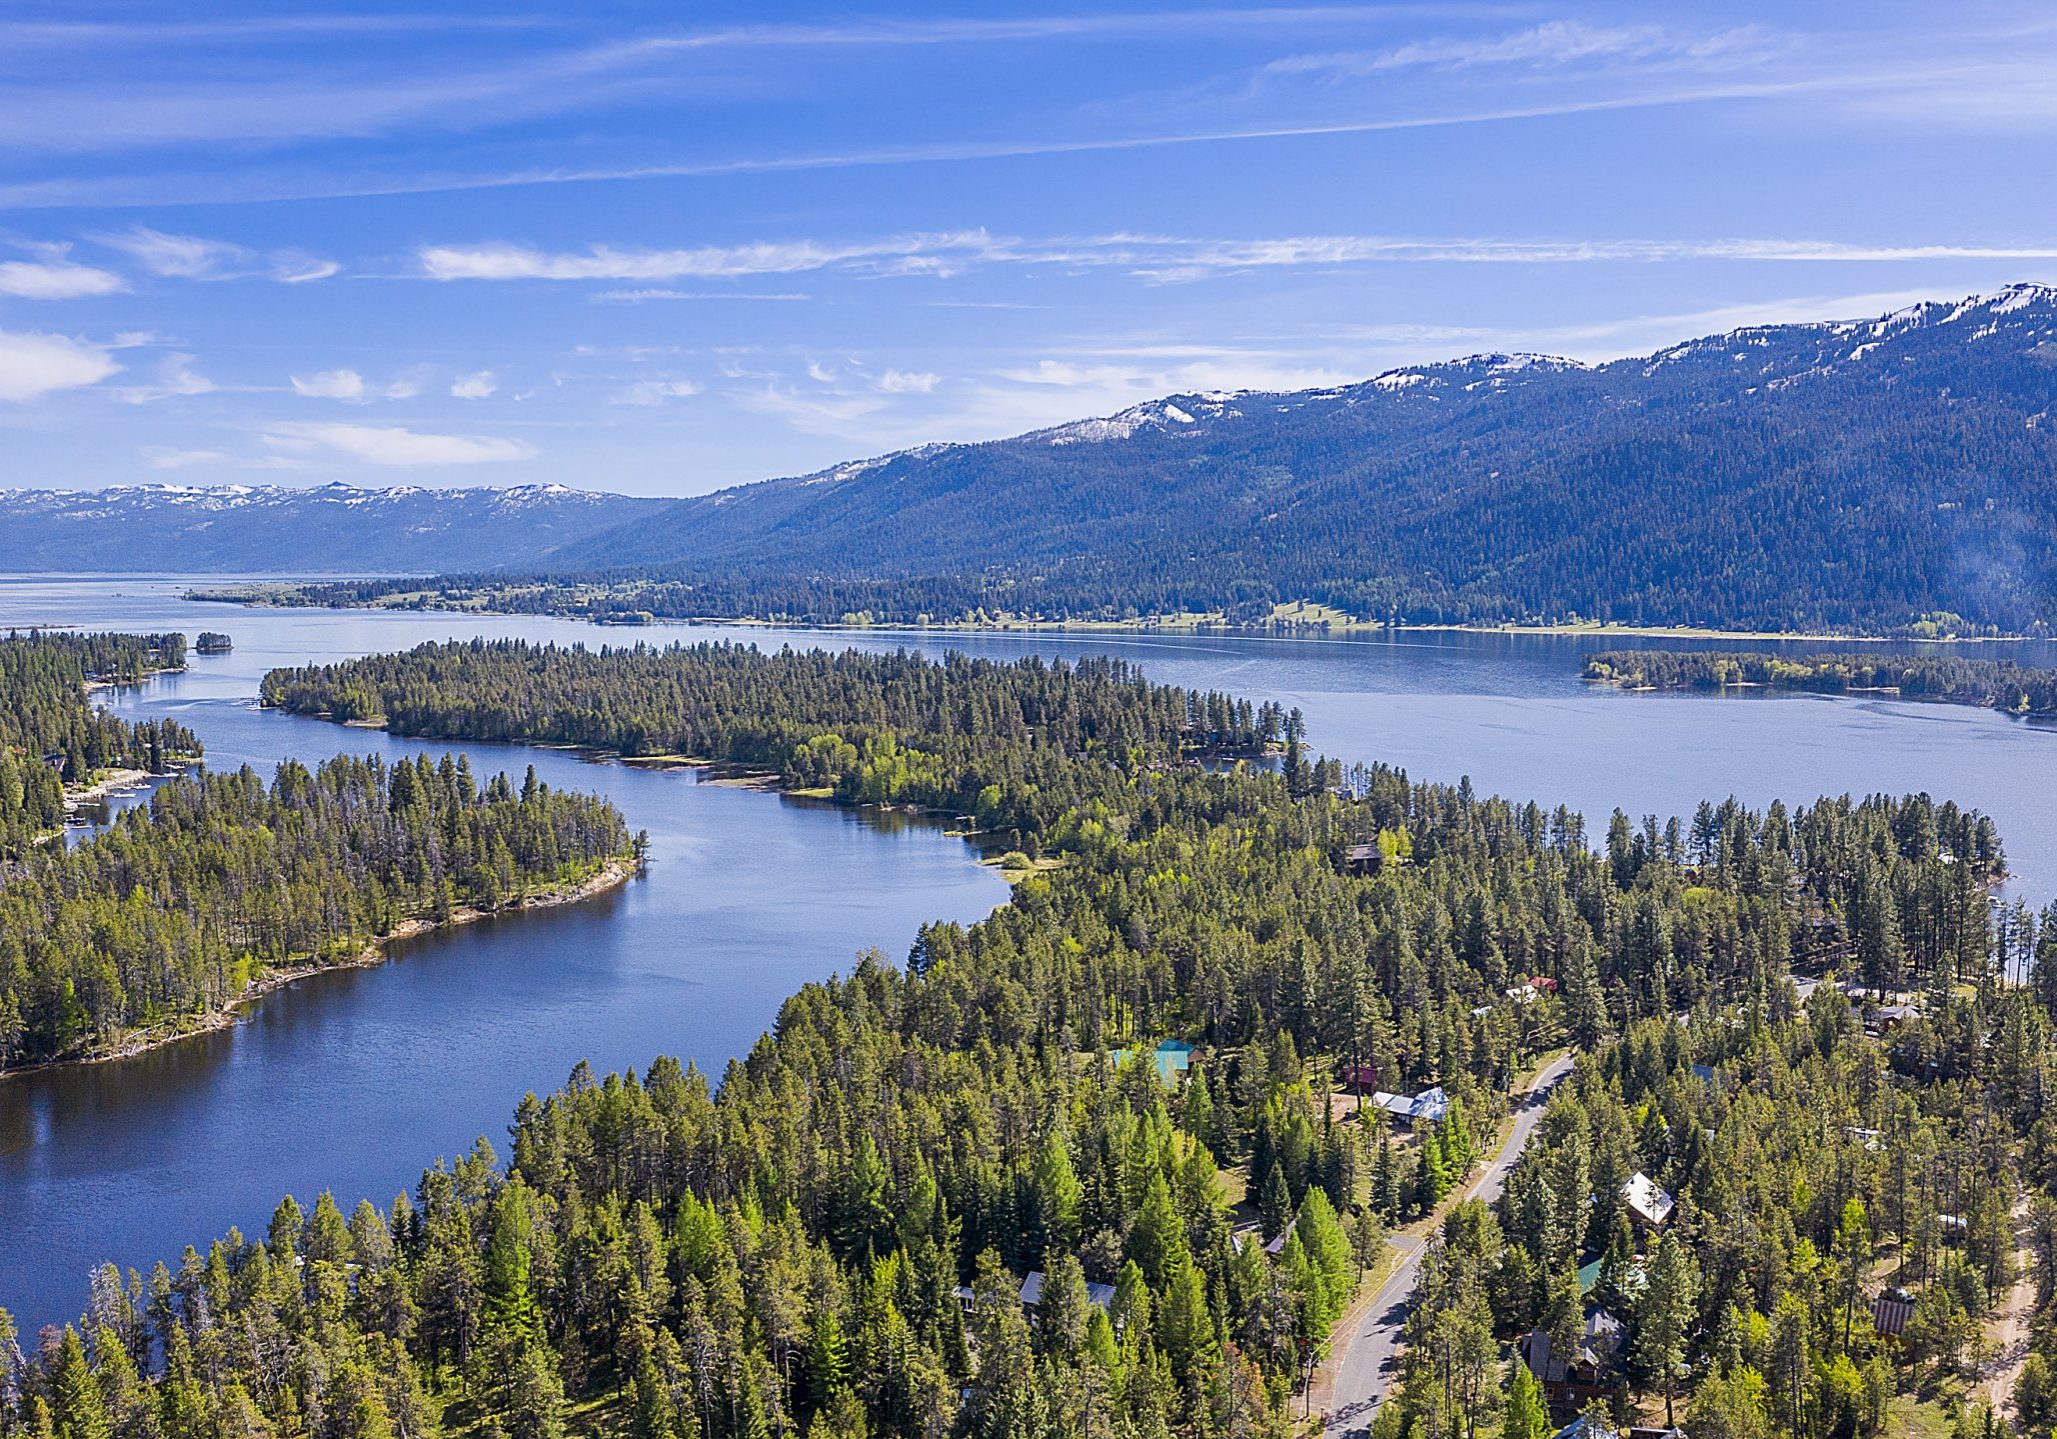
660,249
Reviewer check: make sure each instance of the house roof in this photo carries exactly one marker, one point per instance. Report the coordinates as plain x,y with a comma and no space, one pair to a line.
1032,1291
1650,1202
1174,1057
1431,1104
1588,1426
1891,1311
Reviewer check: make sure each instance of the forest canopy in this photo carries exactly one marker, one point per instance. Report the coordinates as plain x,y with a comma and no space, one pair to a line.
1993,684
834,1240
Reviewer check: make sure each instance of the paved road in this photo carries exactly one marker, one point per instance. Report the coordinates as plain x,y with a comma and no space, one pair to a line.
1372,1349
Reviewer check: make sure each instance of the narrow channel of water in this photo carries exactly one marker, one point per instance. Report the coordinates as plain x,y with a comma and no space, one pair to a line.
353,1081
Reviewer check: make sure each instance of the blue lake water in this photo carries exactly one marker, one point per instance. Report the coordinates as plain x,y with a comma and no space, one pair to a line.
354,1081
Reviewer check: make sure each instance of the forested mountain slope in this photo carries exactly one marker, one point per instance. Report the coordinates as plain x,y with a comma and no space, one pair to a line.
273,528
1838,475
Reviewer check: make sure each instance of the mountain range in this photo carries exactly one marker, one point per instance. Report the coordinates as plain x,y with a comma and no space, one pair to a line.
1850,474
339,529
1862,475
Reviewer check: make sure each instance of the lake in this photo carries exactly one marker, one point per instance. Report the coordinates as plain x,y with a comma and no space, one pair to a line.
354,1081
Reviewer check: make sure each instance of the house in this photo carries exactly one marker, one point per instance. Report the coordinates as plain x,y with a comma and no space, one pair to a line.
1889,1017
1532,988
1174,1058
1891,1311
1592,1373
1654,1431
1649,1206
1099,1295
1357,1078
1363,859
1873,1140
1431,1106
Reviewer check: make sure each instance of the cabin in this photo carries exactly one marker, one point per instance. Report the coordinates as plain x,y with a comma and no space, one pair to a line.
57,759
1649,1205
1031,1294
1357,1078
1891,1311
1594,1372
1431,1106
1363,859
1889,1017
1098,1295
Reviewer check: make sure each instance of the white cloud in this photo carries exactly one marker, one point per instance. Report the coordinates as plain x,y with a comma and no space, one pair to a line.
476,386
819,414
330,385
502,261
637,297
175,376
1557,44
819,373
392,445
160,458
656,392
33,365
401,390
192,257
55,279
908,382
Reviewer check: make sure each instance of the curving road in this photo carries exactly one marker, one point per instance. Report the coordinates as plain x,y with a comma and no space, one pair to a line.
1372,1348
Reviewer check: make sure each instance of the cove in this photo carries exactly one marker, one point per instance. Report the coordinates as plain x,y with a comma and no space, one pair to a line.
355,1080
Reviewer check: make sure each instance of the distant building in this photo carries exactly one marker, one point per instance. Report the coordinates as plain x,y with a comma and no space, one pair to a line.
1891,1311
1649,1206
1593,1372
1589,1426
1100,1295
1363,859
1431,1106
1357,1078
1174,1058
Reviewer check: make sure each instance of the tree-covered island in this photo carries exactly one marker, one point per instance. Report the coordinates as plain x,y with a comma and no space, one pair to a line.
1991,684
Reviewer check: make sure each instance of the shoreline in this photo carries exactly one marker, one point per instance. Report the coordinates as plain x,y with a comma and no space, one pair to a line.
612,875
1186,624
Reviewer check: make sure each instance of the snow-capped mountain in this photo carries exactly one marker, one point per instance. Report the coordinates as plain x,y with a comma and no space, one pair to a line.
335,528
1841,472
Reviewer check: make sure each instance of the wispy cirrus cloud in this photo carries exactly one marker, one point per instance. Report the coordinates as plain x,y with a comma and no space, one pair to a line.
160,457
504,261
651,393
192,257
1163,258
1556,45
392,445
480,385
175,377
